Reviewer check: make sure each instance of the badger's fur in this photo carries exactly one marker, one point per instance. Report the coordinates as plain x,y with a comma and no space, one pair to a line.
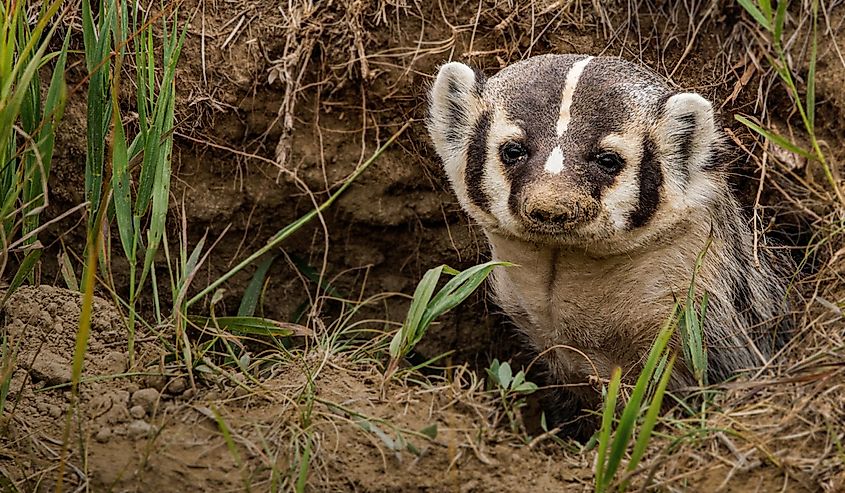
603,184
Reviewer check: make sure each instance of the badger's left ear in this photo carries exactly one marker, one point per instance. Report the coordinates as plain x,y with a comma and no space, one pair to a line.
687,132
454,105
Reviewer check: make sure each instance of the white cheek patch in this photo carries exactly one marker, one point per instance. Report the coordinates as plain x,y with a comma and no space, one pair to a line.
496,184
572,78
621,199
554,163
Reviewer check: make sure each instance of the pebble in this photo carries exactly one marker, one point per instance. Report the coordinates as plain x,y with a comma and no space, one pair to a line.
146,399
54,411
177,386
50,368
103,435
155,381
137,412
140,428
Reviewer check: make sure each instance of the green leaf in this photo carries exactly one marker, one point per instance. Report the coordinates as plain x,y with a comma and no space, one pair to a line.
505,375
458,289
756,14
401,342
526,388
430,431
777,139
29,262
253,291
604,431
518,379
255,326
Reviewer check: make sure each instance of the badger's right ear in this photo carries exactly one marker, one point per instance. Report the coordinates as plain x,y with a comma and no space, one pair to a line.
454,103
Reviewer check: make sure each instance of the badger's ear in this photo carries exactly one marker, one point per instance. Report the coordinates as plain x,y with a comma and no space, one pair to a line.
454,104
688,133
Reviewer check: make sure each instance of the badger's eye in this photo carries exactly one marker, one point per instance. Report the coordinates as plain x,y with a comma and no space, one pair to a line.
513,152
610,162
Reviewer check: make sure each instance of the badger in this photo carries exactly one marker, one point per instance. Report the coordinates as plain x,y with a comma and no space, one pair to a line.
603,184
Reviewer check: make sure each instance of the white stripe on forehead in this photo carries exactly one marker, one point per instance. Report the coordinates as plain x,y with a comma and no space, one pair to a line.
554,163
569,86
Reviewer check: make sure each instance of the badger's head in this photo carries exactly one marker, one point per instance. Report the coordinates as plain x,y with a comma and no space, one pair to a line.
575,150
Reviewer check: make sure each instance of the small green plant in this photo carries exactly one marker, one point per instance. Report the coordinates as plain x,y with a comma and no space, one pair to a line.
613,441
512,389
397,440
27,130
427,306
773,22
140,211
691,324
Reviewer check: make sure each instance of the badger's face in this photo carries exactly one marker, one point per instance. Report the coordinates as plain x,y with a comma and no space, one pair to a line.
575,150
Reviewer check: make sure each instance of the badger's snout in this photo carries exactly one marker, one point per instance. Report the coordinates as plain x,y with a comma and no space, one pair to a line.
551,210
553,215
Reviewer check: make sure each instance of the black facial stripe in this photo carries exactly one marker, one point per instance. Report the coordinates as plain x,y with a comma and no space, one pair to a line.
476,158
458,116
651,181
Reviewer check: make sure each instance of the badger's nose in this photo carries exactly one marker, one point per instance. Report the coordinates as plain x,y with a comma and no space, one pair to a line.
554,214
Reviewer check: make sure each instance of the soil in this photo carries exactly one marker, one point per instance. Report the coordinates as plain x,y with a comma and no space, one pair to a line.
276,108
150,430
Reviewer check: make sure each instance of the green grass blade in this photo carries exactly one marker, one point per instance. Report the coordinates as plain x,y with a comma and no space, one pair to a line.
419,303
28,264
756,14
67,272
632,408
304,465
777,139
121,193
766,8
780,18
253,291
54,104
650,420
606,425
89,36
811,72
256,326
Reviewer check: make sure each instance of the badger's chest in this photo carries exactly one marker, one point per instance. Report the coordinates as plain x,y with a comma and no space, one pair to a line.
590,314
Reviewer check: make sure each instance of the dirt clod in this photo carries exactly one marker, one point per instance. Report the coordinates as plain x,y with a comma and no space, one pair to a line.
146,399
177,386
51,369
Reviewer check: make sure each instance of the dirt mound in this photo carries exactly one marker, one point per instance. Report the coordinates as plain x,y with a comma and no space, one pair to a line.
147,431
